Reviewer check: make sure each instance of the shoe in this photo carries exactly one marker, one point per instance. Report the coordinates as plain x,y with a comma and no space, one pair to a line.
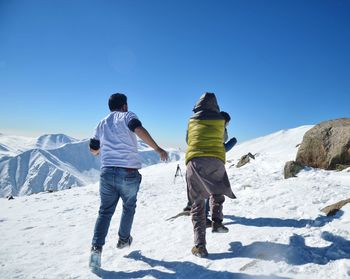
187,208
200,251
95,257
124,242
208,223
219,228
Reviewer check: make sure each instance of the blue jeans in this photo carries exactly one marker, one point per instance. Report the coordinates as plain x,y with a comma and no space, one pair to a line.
116,183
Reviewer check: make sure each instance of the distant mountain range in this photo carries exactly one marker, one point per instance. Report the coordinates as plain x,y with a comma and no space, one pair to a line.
53,162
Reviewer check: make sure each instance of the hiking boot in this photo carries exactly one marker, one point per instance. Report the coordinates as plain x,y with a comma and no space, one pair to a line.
95,257
208,223
218,228
200,251
124,242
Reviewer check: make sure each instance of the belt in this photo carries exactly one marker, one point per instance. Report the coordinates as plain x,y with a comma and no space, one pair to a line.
121,168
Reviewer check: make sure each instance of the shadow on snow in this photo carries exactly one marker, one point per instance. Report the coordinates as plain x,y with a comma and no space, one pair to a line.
175,269
294,253
320,221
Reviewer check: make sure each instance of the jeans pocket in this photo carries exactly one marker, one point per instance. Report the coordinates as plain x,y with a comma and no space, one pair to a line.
130,177
105,172
133,176
131,184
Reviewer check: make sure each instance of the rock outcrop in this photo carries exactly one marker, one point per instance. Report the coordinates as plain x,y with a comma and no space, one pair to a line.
326,145
291,169
245,159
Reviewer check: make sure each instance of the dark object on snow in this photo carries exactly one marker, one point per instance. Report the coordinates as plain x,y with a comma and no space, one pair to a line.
10,197
340,167
245,159
326,145
332,209
291,169
183,213
178,173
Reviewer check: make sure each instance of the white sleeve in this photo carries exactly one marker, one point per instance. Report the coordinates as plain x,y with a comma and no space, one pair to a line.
129,116
96,134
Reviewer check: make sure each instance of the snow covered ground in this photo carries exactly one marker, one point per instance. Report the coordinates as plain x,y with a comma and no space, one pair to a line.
276,227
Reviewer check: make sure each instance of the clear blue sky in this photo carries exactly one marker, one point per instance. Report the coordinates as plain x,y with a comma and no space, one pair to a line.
272,64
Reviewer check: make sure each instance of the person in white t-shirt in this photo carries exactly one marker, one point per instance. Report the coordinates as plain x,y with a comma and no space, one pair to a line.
115,141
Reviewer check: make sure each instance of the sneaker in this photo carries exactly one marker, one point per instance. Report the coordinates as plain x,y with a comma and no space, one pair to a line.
219,228
95,257
124,242
208,223
200,251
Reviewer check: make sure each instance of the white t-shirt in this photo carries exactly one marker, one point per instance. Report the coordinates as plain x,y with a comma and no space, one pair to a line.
118,144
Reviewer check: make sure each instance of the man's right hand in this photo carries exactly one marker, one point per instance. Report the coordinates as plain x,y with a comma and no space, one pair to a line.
163,154
143,134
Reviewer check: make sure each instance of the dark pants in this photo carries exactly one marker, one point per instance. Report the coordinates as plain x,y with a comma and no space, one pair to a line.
216,202
116,183
213,204
206,178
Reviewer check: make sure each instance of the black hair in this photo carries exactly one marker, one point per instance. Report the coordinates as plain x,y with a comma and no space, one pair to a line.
116,101
226,116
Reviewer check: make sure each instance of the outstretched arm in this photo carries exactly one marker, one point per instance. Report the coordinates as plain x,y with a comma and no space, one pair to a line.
143,134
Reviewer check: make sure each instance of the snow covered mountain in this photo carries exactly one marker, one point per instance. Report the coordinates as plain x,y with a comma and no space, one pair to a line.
34,171
53,162
53,141
276,227
13,145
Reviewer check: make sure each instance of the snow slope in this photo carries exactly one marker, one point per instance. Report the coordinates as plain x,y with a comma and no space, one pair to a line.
276,229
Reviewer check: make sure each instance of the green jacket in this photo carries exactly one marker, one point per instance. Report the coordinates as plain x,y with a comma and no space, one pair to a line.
206,129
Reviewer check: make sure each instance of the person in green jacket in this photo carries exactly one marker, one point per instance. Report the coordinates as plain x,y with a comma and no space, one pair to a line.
228,146
206,174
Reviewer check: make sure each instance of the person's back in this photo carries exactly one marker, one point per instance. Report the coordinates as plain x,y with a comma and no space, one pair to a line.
206,174
206,130
115,140
118,142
